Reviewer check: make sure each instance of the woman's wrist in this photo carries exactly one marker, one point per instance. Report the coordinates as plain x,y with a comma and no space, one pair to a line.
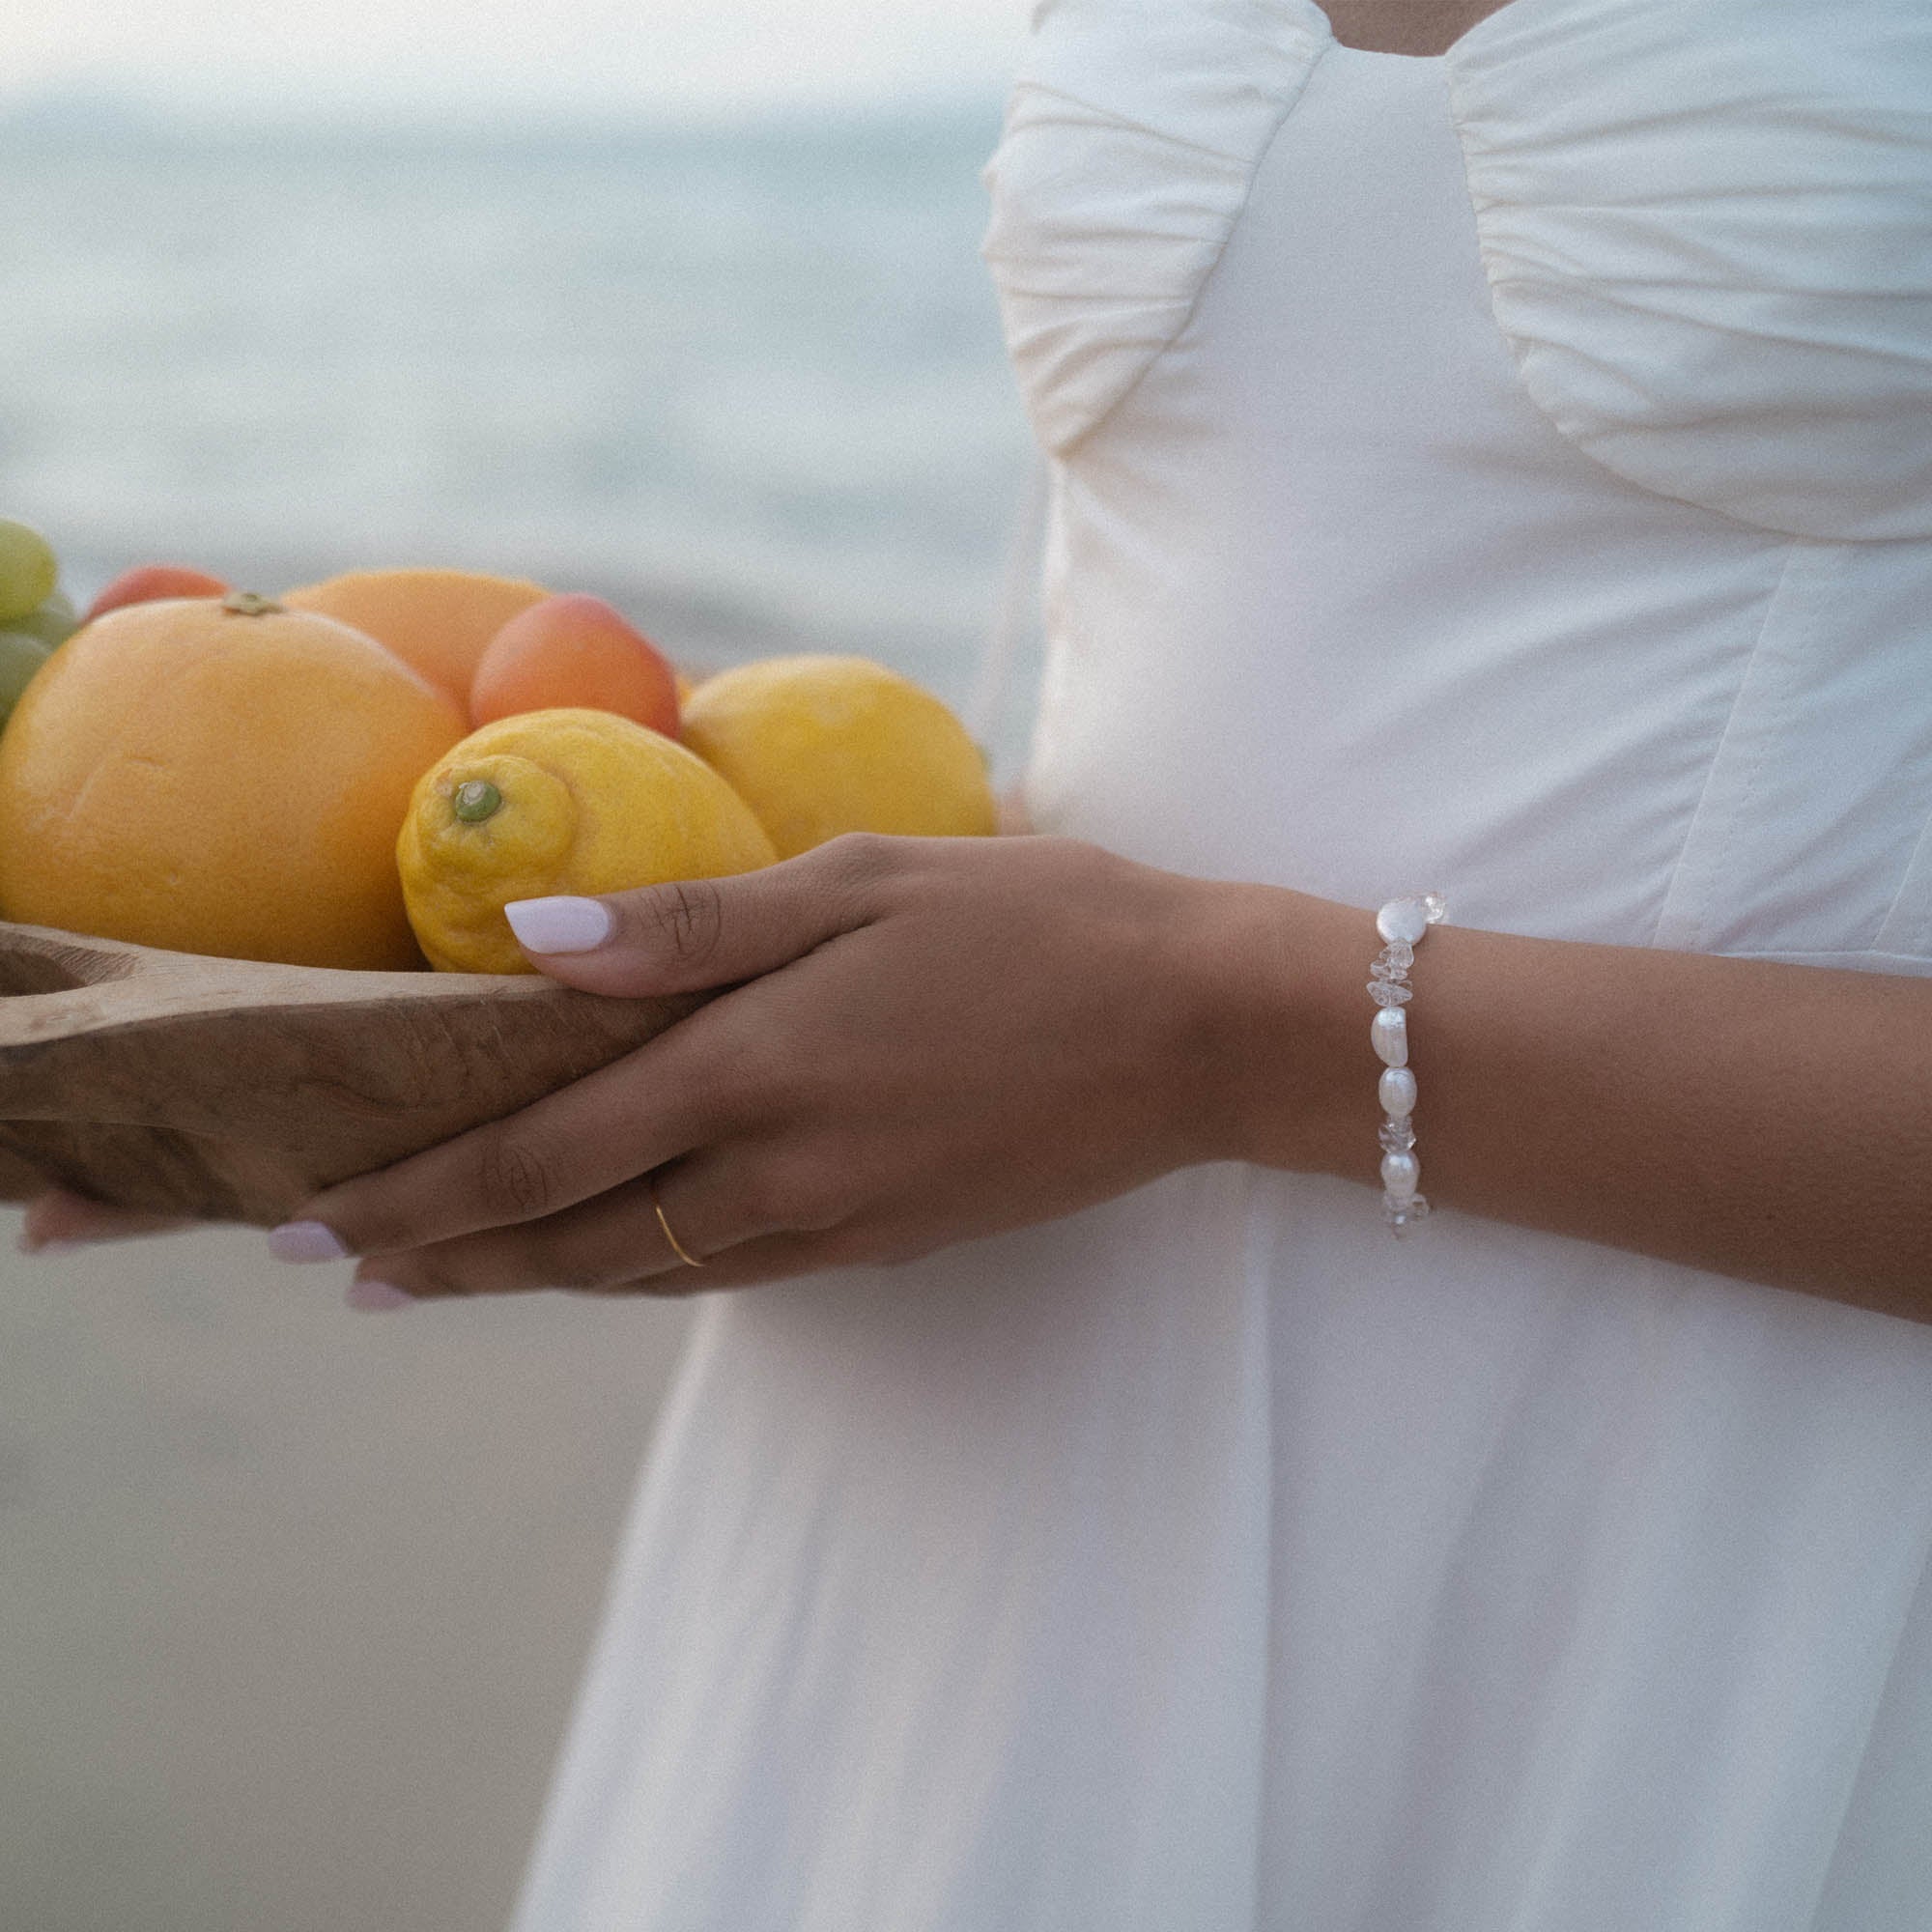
1293,1074
1750,1118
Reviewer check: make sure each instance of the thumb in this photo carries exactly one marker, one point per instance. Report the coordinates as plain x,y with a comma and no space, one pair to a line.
691,934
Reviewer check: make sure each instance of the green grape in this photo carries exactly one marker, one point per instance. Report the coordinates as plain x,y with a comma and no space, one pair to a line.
53,623
29,570
20,657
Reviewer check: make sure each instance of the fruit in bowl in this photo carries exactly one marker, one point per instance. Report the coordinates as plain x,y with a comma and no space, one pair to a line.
29,570
440,622
35,616
219,776
574,652
51,623
561,801
225,778
149,582
817,746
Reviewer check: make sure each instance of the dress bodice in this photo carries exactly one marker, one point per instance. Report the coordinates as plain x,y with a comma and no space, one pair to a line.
1506,469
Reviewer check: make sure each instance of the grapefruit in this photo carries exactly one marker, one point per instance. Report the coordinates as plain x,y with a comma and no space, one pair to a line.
219,776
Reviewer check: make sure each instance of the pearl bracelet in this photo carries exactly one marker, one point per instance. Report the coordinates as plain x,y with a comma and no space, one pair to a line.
1402,924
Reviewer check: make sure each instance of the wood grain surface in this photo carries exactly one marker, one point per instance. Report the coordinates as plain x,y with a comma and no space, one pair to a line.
228,1091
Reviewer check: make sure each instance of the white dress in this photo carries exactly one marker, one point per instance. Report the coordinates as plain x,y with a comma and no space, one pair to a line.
1510,473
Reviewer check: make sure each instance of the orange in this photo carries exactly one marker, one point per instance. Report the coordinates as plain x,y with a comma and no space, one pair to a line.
574,652
219,776
440,621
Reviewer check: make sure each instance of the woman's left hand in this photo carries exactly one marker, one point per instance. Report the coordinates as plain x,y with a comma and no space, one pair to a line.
924,1041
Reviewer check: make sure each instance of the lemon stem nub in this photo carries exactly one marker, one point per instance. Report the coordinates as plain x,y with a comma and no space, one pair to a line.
247,604
477,799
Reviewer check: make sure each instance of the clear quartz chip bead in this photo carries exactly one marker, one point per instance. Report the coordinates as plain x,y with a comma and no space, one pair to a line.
1403,1215
1395,1136
1387,993
1396,958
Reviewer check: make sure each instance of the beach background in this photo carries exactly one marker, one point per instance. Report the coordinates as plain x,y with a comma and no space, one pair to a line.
744,379
292,1601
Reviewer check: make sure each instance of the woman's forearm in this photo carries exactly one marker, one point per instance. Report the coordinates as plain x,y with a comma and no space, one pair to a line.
1768,1121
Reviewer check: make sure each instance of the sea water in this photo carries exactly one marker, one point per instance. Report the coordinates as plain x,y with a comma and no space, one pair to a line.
745,382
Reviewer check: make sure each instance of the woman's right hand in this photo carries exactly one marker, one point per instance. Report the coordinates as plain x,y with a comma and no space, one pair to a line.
58,1219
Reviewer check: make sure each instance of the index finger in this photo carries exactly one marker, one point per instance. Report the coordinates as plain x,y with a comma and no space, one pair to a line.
644,1109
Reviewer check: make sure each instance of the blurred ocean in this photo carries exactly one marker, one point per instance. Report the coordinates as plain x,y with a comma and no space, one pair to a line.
746,382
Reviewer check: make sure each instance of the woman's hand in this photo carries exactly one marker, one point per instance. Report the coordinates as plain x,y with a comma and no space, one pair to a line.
925,1040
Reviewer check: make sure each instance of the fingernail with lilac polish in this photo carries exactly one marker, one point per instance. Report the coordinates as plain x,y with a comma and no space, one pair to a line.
374,1295
559,924
307,1241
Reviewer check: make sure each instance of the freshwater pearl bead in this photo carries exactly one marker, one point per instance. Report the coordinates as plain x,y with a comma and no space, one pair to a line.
1407,920
1402,1173
1397,1089
1388,1034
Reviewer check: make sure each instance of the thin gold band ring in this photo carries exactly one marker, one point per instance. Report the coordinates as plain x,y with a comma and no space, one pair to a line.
677,1247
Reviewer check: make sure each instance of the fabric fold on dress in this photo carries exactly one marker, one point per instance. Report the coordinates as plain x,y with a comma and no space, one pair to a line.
1130,142
1711,253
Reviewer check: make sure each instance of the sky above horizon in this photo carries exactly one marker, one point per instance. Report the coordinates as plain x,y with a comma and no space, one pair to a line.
540,56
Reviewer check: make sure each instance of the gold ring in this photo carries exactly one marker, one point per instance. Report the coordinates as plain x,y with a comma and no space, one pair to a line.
676,1246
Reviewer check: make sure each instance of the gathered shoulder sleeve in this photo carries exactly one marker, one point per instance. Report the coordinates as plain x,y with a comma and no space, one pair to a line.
1130,144
1707,230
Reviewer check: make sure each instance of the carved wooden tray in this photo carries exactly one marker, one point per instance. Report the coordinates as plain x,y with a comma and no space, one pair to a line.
229,1090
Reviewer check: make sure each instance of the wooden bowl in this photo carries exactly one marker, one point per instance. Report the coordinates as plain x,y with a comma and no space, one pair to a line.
227,1091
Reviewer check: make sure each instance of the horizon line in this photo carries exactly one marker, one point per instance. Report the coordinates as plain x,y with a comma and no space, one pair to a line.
93,105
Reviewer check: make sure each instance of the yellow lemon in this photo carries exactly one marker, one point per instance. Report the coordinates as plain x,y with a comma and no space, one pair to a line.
817,746
558,802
